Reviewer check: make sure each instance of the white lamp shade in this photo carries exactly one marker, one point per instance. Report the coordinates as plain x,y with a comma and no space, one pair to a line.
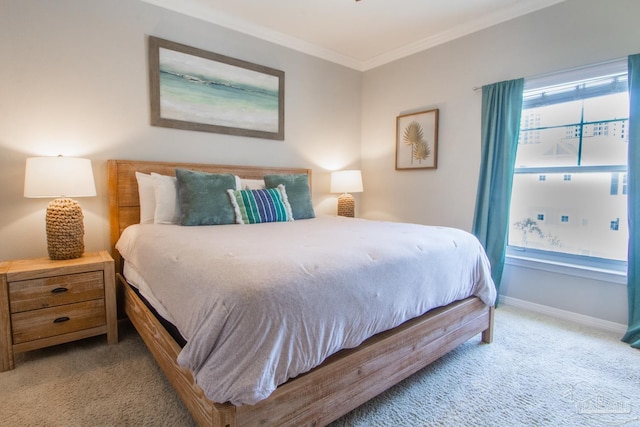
59,177
347,181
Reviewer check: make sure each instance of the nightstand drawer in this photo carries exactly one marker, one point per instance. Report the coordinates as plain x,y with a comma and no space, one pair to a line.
48,322
57,290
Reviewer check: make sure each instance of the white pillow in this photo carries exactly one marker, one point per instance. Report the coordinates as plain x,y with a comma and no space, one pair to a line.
252,184
167,204
146,195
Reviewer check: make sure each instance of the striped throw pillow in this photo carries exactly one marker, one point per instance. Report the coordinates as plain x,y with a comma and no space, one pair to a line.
256,206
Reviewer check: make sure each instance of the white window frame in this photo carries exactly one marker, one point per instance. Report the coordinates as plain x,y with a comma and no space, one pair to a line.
562,263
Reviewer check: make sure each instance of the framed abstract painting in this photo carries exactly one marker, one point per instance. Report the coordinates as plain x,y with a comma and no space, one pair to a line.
194,89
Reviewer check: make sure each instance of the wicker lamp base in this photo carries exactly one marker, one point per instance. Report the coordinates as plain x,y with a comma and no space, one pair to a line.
346,205
65,229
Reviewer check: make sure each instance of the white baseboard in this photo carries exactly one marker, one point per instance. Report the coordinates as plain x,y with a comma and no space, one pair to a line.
593,322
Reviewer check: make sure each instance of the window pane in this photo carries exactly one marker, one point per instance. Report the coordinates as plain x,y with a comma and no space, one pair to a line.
585,215
605,133
548,147
607,107
605,143
551,115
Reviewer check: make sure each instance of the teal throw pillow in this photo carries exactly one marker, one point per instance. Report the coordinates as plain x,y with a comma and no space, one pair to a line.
298,192
203,197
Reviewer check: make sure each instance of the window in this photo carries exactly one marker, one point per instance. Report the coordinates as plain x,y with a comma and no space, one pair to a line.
571,164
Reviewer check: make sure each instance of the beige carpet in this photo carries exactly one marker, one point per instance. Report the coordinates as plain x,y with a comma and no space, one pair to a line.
538,372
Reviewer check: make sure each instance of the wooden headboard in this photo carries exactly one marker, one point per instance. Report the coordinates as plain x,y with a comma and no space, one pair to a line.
124,204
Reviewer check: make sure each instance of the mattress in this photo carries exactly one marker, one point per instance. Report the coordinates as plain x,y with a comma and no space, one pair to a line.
260,304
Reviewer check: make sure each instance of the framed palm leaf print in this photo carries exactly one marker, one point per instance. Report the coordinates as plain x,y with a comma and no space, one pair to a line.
417,140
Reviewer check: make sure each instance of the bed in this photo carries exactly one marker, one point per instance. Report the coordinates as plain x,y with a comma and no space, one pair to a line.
340,383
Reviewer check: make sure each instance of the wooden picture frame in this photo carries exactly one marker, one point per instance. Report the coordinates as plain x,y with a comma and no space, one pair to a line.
193,89
417,140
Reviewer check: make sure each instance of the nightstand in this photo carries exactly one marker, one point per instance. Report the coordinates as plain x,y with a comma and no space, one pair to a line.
45,302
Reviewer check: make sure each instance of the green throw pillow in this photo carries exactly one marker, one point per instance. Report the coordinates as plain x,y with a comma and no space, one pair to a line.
203,197
298,192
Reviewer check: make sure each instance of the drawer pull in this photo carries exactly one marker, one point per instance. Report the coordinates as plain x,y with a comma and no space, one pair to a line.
59,290
61,319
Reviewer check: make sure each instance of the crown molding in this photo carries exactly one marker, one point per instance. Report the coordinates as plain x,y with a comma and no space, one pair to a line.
457,32
199,11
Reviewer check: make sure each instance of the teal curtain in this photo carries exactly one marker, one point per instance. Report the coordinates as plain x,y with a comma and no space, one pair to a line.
633,200
501,111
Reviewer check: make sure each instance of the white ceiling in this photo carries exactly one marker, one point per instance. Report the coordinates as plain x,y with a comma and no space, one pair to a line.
358,34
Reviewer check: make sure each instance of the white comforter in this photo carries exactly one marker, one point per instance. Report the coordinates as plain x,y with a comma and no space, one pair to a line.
262,303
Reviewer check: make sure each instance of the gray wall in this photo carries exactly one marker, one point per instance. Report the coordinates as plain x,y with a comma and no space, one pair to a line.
571,34
73,81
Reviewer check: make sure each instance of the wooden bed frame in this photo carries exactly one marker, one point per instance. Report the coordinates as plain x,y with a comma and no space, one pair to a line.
343,382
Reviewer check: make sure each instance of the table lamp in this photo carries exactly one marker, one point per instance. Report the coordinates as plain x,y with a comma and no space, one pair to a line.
345,182
61,178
